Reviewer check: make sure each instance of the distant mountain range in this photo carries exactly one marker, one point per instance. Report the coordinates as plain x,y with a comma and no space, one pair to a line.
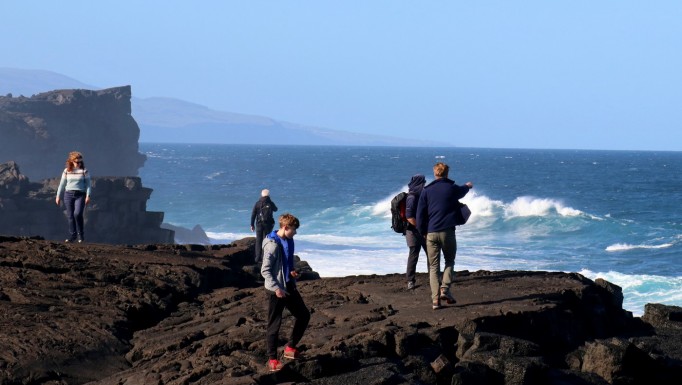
169,120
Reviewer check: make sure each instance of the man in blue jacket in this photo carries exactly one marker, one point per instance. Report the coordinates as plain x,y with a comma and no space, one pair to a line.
436,218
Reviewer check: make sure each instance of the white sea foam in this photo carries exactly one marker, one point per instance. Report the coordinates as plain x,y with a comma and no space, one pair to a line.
383,207
213,175
217,238
339,240
626,247
350,261
527,206
481,206
484,207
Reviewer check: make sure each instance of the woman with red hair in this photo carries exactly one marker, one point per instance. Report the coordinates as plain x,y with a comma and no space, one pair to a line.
76,185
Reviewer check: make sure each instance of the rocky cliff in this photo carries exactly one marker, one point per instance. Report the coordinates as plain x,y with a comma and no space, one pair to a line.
39,131
172,314
117,212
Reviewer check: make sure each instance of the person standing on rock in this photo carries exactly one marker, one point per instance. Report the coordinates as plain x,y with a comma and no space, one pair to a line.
262,218
280,286
436,219
415,242
76,186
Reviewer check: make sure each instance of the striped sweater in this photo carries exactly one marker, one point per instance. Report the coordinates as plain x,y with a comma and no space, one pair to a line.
76,179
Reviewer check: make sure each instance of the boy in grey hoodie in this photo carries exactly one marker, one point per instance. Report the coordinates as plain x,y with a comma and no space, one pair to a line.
280,285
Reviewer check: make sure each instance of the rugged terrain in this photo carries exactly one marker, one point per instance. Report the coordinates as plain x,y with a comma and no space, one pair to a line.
117,212
172,314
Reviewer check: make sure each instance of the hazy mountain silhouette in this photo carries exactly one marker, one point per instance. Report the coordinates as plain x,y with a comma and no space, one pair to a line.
177,121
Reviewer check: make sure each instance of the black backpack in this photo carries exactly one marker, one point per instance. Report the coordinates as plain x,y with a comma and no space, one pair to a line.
398,220
265,213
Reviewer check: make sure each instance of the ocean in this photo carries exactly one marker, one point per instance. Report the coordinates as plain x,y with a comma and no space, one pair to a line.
604,214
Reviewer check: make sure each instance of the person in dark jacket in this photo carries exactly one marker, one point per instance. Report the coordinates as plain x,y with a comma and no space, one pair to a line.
262,221
414,240
436,219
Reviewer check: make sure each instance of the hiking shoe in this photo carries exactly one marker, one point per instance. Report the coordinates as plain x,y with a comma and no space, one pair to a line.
446,296
290,353
411,285
436,304
275,365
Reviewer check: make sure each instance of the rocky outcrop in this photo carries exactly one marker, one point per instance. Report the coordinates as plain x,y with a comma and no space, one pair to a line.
39,132
117,212
172,314
195,235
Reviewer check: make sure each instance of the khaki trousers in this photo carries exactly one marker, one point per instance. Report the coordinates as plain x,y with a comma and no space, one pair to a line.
435,242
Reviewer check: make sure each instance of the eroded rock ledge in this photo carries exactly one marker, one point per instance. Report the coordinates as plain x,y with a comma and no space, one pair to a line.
39,131
117,213
171,314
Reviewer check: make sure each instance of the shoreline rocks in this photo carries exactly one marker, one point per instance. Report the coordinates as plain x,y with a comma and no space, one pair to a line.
192,314
117,212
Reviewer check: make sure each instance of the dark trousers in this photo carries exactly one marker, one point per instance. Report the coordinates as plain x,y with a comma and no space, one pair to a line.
75,206
415,243
262,231
294,303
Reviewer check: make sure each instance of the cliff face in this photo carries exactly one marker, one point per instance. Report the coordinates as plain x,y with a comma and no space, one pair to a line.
117,212
38,132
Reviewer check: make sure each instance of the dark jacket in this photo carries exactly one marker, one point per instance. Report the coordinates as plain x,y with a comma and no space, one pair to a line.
257,208
437,204
414,189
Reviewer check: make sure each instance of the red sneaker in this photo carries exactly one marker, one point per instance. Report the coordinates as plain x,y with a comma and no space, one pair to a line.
275,365
290,353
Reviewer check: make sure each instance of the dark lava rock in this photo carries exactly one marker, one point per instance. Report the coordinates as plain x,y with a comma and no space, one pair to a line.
192,314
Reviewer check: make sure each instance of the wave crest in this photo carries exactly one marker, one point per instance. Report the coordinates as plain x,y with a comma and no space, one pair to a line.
483,206
626,246
527,206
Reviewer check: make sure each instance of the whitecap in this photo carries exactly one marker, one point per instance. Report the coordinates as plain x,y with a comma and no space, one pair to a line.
227,237
214,175
527,206
626,246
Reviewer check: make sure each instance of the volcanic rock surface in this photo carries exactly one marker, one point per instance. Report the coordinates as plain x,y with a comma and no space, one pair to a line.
172,314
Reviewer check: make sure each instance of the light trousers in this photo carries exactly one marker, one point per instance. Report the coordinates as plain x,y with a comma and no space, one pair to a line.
446,242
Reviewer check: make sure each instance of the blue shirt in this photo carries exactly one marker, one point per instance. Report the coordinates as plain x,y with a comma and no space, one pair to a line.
288,253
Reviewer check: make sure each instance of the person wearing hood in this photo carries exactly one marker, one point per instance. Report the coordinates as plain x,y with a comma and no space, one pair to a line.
262,221
414,240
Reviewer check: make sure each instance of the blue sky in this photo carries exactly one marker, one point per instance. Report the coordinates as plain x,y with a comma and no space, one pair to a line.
521,74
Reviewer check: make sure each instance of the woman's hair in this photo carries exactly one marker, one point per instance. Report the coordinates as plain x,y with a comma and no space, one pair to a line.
441,170
73,157
288,220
